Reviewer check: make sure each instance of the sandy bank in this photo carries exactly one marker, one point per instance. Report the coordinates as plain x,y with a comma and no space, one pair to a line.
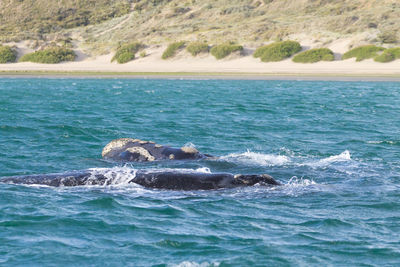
206,64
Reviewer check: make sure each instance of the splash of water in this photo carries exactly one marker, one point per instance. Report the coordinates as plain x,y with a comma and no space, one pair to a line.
255,158
297,186
345,156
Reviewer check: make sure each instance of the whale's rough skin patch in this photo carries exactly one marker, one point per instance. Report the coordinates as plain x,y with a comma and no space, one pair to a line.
117,144
142,152
189,150
128,149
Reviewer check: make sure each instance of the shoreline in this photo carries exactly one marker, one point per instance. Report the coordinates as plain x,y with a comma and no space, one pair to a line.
205,66
202,75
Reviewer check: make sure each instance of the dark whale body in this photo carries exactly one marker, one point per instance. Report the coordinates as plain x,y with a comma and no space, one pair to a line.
174,180
128,149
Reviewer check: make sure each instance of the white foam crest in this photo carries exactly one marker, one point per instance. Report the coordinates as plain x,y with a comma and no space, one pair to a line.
203,170
300,182
297,186
342,157
255,158
196,264
390,142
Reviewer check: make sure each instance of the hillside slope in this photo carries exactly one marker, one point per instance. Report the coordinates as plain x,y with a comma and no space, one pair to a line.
101,25
32,19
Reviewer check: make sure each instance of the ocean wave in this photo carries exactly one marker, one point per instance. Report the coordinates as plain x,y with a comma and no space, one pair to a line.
384,142
269,160
342,157
254,158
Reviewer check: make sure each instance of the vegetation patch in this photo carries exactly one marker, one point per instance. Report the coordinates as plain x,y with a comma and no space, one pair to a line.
30,19
314,55
7,54
196,48
50,55
277,51
363,52
126,52
224,50
388,55
172,49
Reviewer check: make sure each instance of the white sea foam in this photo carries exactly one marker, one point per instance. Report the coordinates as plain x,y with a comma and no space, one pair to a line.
297,186
255,158
342,157
203,170
196,264
299,182
389,142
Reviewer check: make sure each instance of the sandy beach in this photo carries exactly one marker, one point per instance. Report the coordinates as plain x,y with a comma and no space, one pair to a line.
184,63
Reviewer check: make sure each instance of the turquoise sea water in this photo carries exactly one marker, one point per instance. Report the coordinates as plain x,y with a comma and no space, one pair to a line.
334,145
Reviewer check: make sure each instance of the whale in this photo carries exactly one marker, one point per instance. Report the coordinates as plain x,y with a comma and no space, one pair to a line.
130,150
156,179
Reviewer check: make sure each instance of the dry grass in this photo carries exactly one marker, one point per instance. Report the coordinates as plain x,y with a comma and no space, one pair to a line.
216,21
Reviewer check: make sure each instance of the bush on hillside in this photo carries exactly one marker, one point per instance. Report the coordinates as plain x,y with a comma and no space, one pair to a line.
395,51
384,58
50,55
196,48
388,55
172,49
224,50
363,52
7,54
314,55
277,51
260,51
126,53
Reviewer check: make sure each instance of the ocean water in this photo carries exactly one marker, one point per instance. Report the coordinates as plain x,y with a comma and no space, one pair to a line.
335,146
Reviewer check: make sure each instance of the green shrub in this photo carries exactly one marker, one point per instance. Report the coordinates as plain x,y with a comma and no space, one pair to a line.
277,51
126,53
314,55
395,51
50,55
7,54
384,58
172,49
260,51
196,48
224,50
363,52
143,54
388,55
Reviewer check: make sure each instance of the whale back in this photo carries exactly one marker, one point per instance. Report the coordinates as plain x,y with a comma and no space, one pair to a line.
174,180
128,149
